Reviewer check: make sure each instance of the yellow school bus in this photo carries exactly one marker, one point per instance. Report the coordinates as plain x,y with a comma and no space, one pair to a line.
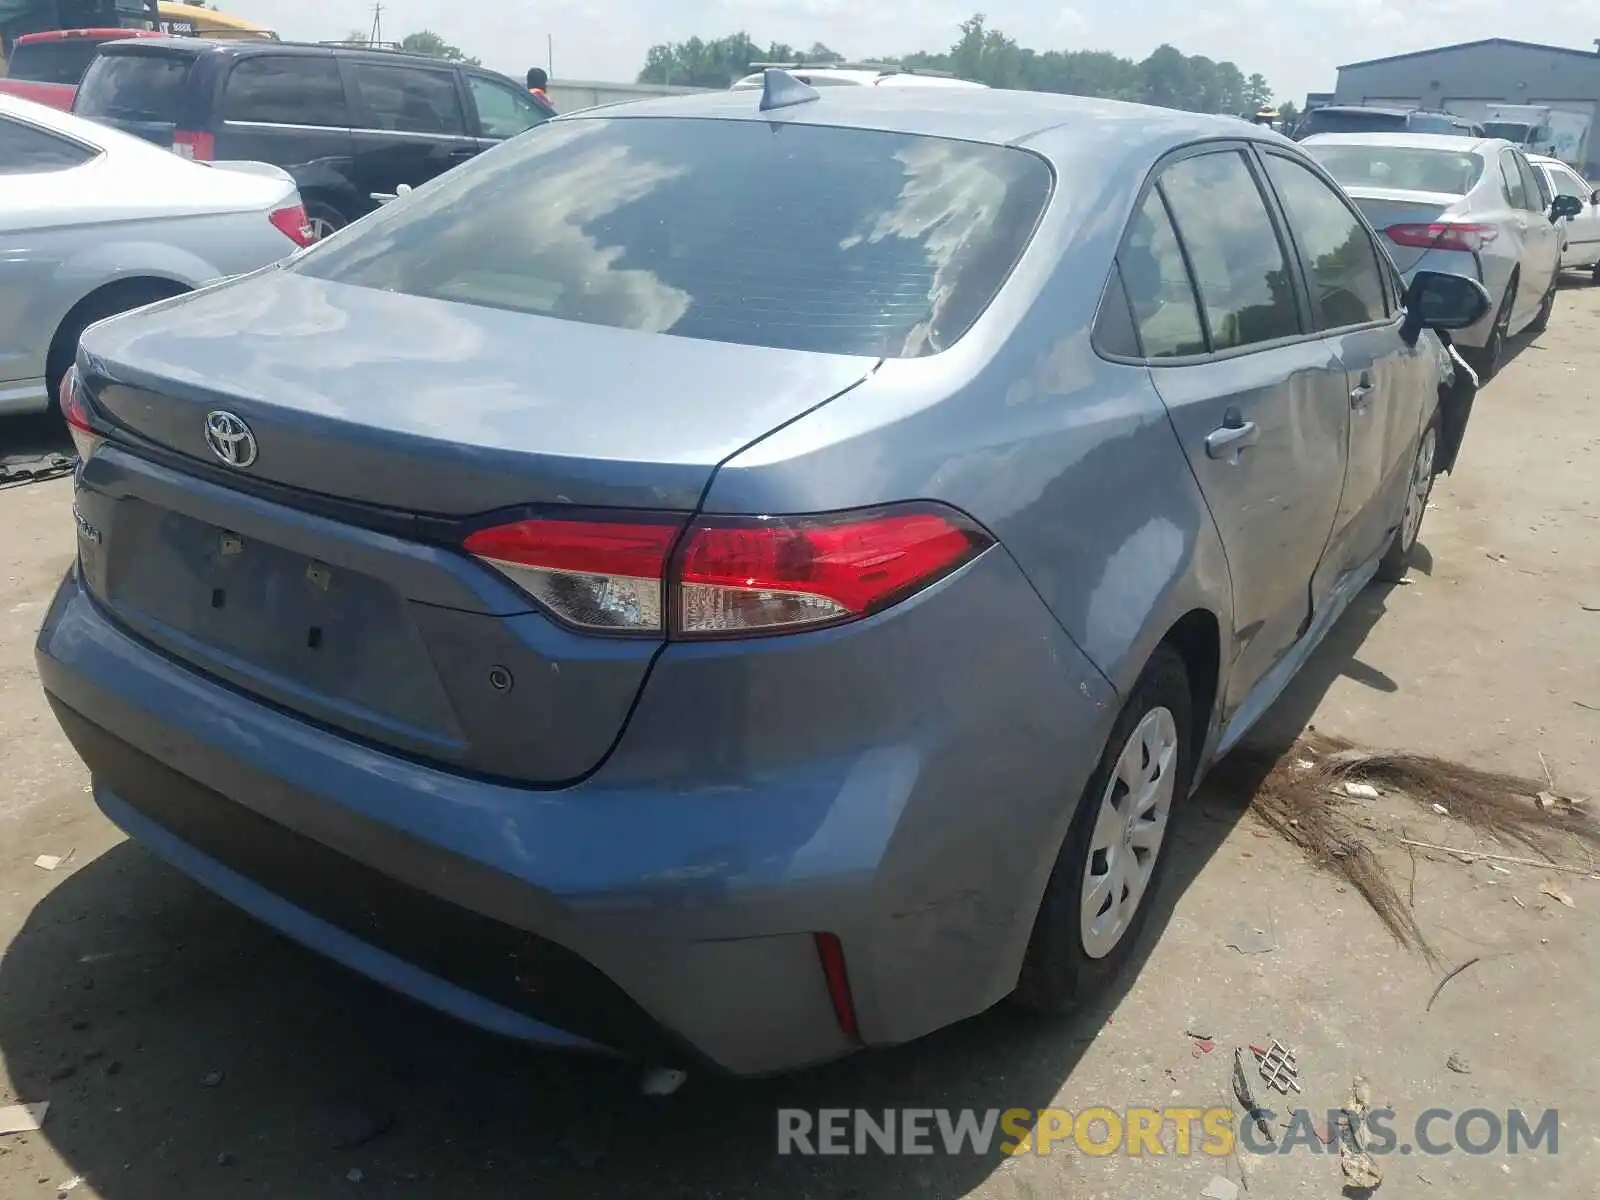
190,20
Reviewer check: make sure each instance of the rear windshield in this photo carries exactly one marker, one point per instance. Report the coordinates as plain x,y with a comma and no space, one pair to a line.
794,236
134,87
1322,120
1453,172
1512,131
62,61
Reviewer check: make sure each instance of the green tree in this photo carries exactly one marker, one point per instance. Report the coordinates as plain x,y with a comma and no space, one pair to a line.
1288,115
426,41
1257,93
987,55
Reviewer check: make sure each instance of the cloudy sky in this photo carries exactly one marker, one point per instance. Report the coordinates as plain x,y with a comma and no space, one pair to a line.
1296,44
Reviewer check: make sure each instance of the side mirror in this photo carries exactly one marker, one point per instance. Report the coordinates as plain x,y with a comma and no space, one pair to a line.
1594,197
1435,300
1565,206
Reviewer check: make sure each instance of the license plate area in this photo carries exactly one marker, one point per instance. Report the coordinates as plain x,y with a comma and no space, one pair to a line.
316,634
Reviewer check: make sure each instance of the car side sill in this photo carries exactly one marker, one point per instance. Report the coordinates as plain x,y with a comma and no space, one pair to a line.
1274,681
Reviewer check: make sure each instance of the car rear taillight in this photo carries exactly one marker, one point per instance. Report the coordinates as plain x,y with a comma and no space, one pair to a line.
293,224
732,575
1443,235
198,147
743,575
76,412
593,574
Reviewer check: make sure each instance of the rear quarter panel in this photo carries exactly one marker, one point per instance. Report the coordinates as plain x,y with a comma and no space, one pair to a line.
1070,460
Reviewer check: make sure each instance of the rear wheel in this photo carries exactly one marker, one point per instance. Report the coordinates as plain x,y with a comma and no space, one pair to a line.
1111,862
107,302
323,219
1546,306
1487,361
1397,559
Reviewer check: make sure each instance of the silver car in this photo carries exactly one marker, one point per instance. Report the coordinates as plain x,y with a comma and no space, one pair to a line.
1466,206
743,576
94,222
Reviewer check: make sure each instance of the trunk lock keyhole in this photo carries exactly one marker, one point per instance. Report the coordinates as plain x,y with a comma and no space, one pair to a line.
500,679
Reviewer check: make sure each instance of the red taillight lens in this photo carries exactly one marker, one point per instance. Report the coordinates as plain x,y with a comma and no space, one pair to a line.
200,147
594,574
293,224
774,573
734,575
76,412
1443,235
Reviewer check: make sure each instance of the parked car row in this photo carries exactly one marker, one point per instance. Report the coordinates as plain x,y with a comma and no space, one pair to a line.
1470,206
773,598
184,161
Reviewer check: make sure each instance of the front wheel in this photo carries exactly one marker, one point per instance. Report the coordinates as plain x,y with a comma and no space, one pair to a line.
1396,560
1111,861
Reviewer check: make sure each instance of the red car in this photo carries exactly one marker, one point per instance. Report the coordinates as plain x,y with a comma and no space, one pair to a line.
46,67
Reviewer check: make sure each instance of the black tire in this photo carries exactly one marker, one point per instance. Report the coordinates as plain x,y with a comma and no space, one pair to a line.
1059,971
1396,559
108,302
324,219
1541,321
1488,360
1594,273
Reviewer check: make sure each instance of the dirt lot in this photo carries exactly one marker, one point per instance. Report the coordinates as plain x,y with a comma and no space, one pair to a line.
186,1051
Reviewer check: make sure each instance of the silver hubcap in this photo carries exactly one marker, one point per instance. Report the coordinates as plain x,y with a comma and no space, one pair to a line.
1421,487
321,227
1128,830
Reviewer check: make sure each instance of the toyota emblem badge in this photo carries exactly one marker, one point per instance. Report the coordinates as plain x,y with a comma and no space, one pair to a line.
230,439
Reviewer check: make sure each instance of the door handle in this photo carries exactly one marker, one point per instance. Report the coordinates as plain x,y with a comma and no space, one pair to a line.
465,152
1233,437
1359,395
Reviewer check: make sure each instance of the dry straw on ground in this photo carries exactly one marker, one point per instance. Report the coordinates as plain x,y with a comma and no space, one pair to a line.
1300,794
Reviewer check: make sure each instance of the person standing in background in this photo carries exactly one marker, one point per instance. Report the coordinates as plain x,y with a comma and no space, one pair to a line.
538,80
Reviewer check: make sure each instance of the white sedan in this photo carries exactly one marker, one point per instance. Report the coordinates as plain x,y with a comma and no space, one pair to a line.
1581,247
94,222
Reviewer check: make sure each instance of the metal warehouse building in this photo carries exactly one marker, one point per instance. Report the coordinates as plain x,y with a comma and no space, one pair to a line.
1468,77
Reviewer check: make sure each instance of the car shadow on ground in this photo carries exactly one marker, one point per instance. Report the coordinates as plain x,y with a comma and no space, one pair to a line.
188,1051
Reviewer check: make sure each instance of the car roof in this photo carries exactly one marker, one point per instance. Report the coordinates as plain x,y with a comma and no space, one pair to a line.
249,46
1382,110
110,32
1413,141
971,114
865,76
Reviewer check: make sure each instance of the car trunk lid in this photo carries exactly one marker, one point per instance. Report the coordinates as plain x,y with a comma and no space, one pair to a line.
326,574
1389,207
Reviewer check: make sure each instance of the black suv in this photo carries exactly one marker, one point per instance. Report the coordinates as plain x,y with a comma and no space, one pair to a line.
345,122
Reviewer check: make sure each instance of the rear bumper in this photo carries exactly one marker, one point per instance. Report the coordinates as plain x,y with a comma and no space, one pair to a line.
666,906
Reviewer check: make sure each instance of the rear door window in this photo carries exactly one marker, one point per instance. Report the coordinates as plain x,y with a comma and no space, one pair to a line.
1157,283
803,237
1533,185
1339,259
1240,269
408,99
25,150
286,89
134,87
1516,191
